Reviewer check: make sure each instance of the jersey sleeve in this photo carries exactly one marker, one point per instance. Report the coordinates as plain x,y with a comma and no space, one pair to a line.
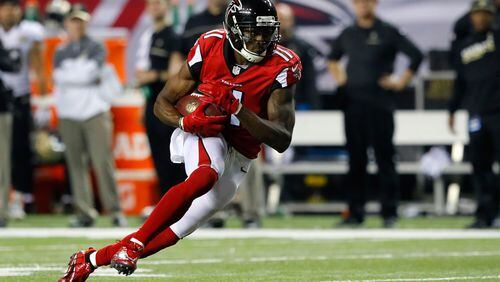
201,49
195,59
289,74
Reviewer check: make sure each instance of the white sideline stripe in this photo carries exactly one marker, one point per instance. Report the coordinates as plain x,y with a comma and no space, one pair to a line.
368,256
423,279
386,256
102,272
297,234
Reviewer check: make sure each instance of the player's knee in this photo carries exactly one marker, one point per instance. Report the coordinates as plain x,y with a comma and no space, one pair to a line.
219,165
225,196
205,178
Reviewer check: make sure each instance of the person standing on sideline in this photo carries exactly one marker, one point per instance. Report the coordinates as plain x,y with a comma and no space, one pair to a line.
371,45
7,64
463,28
24,38
477,88
85,122
158,59
211,18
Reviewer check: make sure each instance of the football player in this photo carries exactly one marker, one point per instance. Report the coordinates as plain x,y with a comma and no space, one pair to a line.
251,78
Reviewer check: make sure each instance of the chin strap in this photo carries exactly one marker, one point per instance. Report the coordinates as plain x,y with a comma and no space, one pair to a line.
247,54
250,56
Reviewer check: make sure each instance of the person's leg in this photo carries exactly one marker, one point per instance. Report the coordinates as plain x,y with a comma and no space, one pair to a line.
382,132
481,155
205,206
22,155
5,140
98,132
202,158
77,165
495,133
251,193
159,136
356,145
201,210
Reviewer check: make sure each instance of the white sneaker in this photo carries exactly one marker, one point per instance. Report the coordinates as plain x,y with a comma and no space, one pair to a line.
16,206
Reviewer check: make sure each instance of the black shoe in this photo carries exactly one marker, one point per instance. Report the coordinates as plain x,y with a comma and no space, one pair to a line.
81,223
215,223
252,224
350,222
119,221
389,222
478,224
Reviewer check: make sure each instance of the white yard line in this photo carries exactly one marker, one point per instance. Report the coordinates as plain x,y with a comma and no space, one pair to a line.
342,257
297,234
475,278
335,257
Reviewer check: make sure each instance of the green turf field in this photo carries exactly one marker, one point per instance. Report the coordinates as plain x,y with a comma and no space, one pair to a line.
257,259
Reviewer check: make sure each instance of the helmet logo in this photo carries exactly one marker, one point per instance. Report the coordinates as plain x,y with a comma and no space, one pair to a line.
236,5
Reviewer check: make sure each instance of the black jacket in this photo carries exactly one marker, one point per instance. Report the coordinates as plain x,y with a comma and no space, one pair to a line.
372,54
477,86
7,64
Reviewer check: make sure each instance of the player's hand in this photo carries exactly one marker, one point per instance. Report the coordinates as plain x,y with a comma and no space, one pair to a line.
223,97
390,83
199,123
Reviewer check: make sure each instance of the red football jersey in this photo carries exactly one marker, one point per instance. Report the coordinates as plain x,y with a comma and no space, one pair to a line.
211,60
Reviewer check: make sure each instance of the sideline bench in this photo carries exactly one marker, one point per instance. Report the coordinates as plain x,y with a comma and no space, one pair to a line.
412,128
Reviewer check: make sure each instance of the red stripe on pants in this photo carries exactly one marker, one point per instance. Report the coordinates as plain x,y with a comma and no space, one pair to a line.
203,157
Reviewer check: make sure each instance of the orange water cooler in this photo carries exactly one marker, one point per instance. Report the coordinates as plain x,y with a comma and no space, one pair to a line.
135,171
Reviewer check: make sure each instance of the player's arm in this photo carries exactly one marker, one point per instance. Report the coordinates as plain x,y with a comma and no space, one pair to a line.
338,72
277,131
179,85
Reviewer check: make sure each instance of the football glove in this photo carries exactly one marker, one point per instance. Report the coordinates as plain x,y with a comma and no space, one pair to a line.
199,123
223,97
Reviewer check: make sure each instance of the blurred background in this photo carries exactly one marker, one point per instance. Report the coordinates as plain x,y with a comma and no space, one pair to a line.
432,164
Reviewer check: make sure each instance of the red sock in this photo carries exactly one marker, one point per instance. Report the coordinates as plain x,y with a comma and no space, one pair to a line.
174,204
163,240
104,255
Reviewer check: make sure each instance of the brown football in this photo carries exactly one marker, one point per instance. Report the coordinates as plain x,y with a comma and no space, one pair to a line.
189,103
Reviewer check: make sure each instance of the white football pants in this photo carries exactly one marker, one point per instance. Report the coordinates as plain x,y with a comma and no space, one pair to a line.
231,166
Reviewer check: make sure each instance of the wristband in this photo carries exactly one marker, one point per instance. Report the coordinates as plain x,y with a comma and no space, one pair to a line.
181,123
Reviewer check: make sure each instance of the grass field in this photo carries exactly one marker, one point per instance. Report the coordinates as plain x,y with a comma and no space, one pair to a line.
225,258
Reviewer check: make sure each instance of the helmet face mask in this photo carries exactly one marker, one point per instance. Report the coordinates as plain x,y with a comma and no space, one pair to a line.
253,29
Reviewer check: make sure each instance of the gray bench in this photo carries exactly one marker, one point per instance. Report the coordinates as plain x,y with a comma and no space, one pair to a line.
413,128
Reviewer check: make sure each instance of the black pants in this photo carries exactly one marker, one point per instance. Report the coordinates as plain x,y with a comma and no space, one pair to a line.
22,155
365,126
169,174
484,135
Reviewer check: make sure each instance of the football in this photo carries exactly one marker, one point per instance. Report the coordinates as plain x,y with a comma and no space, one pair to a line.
189,103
